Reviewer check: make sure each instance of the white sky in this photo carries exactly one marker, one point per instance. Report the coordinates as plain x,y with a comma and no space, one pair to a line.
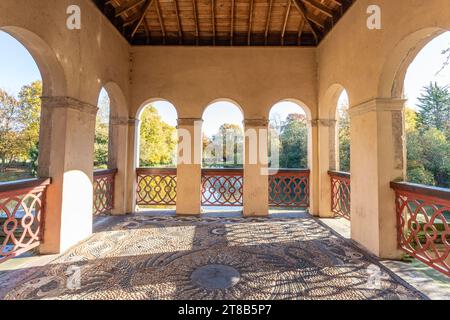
17,68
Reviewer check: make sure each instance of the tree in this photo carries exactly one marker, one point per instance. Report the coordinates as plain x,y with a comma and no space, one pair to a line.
434,108
158,140
344,138
294,142
101,143
13,144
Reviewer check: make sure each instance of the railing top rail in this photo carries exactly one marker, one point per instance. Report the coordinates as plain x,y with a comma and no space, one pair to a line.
103,172
156,170
285,170
231,170
429,191
24,184
341,174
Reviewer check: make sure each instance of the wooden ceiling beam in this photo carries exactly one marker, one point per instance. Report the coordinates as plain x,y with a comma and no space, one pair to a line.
180,30
121,11
321,7
197,30
213,18
250,23
269,18
147,5
286,17
161,21
303,12
232,23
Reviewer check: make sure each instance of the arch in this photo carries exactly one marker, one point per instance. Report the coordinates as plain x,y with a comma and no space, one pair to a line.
118,102
215,150
298,102
146,103
306,110
53,77
392,78
330,101
227,100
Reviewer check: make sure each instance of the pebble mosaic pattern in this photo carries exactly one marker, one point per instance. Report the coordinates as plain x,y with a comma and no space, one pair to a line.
146,257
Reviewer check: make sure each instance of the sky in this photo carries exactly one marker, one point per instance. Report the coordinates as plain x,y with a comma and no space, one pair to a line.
18,68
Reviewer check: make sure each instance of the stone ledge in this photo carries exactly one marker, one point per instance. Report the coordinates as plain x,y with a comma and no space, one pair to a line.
377,105
69,103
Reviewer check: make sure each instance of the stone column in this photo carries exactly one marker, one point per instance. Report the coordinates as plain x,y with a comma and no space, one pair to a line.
328,160
66,155
313,161
189,167
118,158
132,164
256,175
378,157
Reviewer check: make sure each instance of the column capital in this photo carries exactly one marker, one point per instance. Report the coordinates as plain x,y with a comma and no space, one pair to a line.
69,103
119,121
256,122
188,121
323,122
378,105
133,122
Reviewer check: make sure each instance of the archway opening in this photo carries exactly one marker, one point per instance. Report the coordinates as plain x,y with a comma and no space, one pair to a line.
289,157
157,156
427,115
102,131
20,110
343,132
288,136
223,157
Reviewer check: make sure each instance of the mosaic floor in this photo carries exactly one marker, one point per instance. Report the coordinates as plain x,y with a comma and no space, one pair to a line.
144,257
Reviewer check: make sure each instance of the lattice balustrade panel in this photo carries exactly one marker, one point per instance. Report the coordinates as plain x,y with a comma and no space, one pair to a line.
222,188
423,228
104,181
340,194
21,216
156,187
289,189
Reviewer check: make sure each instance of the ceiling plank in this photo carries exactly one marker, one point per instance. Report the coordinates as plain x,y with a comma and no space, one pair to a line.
145,7
250,23
197,30
269,18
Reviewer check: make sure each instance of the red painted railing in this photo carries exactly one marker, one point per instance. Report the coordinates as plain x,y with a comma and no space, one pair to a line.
22,209
289,188
156,186
423,215
340,193
222,187
104,181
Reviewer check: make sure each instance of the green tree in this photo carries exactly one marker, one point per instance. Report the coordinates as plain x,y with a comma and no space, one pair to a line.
13,143
344,138
434,108
158,140
101,143
294,142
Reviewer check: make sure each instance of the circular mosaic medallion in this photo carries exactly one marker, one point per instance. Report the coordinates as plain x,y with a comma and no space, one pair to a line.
216,276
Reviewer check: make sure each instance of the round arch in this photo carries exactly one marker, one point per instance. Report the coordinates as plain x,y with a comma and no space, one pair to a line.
307,111
146,103
391,82
226,100
53,77
118,102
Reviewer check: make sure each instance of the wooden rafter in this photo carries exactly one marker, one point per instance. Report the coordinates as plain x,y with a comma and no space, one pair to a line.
301,8
232,22
249,23
268,19
147,5
161,21
213,18
180,30
286,17
197,30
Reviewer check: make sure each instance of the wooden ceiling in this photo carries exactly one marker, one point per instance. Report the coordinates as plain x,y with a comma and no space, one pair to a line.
224,22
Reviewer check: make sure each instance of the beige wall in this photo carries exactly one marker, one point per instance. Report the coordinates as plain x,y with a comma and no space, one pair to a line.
193,77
